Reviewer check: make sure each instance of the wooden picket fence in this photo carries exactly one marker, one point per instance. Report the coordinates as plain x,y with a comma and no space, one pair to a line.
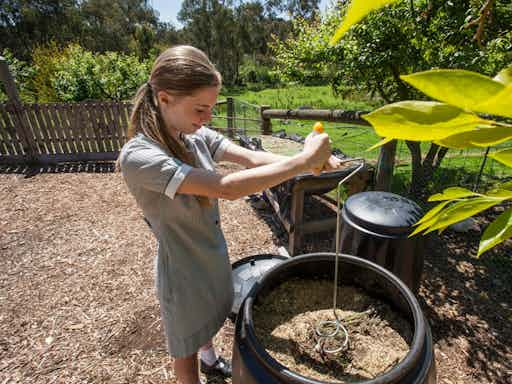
62,132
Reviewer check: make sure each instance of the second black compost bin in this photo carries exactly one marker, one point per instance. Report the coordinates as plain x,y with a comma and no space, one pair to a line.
376,227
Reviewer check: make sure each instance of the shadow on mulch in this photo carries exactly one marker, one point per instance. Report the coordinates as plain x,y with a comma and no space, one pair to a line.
142,332
34,170
466,299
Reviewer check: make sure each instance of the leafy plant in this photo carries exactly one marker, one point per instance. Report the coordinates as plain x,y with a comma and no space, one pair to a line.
454,122
22,73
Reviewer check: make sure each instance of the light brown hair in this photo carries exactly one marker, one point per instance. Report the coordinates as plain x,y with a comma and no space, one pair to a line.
180,71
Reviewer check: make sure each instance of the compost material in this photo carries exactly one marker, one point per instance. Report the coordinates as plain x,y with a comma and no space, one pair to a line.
286,319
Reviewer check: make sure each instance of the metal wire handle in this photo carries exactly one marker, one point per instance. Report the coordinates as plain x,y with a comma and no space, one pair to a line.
338,326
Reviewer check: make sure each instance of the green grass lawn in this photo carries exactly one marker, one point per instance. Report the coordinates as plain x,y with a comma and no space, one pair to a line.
295,96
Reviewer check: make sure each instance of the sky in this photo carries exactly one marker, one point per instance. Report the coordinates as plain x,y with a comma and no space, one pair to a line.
169,9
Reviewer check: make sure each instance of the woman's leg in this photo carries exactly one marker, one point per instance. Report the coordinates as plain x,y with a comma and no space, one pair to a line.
213,364
186,369
207,353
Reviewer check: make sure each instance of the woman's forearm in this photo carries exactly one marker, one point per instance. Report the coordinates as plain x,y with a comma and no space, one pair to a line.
260,158
201,182
249,158
279,169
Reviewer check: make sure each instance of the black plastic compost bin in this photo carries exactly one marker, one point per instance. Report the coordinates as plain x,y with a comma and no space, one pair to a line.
376,226
252,364
246,272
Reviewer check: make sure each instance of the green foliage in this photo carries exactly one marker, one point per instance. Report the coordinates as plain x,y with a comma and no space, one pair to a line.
497,232
405,37
305,56
45,61
422,120
451,86
357,10
256,76
75,74
488,96
97,25
417,121
81,75
504,156
480,137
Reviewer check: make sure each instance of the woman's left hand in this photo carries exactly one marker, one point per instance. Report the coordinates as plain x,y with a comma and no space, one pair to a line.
332,163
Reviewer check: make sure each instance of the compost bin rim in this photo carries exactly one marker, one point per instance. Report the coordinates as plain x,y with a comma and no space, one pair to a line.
399,371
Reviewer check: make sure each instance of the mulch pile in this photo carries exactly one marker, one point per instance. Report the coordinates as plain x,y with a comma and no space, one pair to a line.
77,301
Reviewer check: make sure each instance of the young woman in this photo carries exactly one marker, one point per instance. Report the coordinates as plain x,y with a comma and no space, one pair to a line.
168,165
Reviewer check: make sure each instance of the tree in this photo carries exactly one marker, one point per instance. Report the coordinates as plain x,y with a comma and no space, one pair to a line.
28,23
112,25
210,26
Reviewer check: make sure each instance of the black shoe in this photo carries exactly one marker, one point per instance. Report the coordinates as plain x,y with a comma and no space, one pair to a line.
221,367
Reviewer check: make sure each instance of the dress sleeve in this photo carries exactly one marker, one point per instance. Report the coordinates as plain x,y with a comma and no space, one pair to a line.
150,167
215,142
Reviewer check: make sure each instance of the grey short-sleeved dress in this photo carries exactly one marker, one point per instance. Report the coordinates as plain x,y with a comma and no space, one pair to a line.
193,273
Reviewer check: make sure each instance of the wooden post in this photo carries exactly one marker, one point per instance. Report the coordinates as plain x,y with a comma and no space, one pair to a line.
385,167
231,116
296,218
22,125
266,124
9,84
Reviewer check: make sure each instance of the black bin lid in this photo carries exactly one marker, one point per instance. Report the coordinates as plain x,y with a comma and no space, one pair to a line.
246,272
382,213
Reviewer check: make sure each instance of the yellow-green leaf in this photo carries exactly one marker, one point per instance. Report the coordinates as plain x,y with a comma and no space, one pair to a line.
423,226
461,210
452,193
429,218
500,193
380,143
357,10
505,76
504,157
497,232
507,185
460,88
481,137
499,105
422,120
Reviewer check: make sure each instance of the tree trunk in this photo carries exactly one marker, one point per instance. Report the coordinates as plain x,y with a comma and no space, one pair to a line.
417,180
440,156
428,162
403,91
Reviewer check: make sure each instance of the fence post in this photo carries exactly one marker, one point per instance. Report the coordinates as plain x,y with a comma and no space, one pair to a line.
21,127
385,167
230,106
266,124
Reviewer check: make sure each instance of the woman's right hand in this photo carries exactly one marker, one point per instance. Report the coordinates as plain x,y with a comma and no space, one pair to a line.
317,151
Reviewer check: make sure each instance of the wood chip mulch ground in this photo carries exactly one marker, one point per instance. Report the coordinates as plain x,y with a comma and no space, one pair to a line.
77,302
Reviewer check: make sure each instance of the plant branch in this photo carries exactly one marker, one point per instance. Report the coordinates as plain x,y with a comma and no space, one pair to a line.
485,12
